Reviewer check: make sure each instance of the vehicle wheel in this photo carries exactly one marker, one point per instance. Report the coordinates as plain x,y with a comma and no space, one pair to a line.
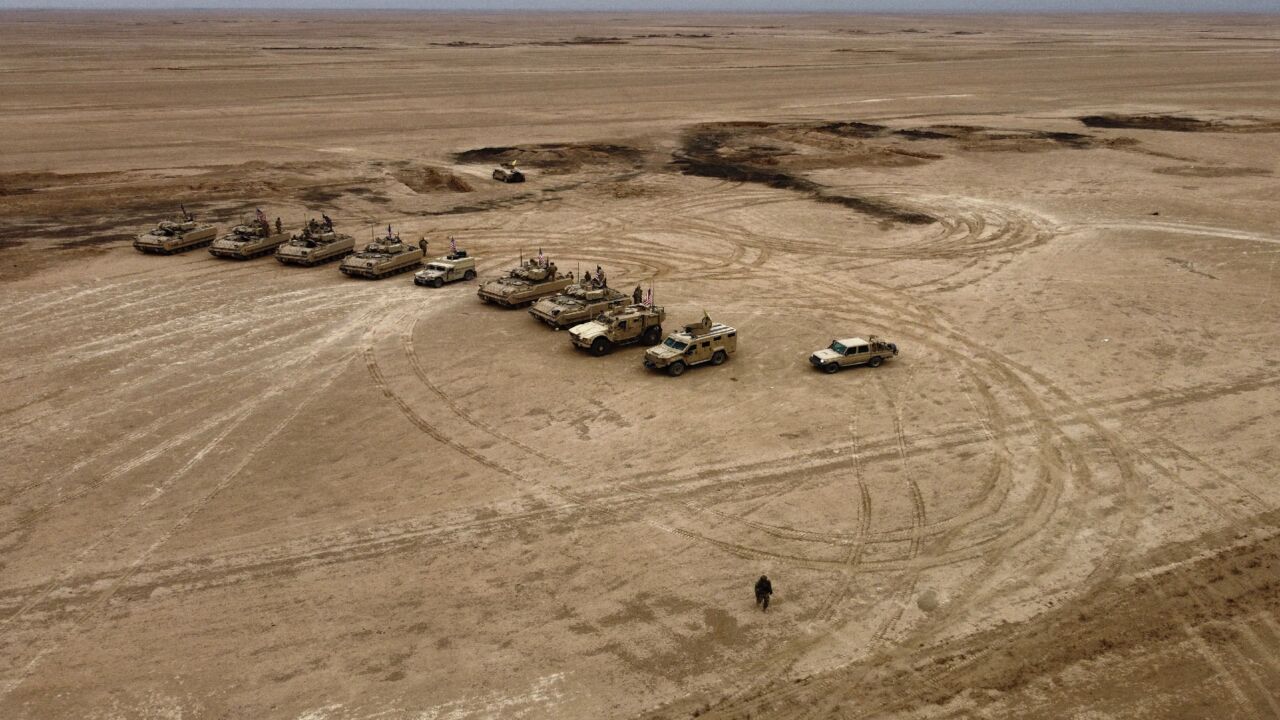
875,361
831,368
484,300
469,275
599,346
718,357
676,369
437,283
652,336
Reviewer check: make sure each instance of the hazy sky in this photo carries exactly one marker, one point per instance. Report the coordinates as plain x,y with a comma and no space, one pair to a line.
881,6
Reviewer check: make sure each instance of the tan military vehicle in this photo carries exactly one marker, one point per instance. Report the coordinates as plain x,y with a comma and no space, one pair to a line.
703,342
387,256
853,351
170,236
620,326
317,243
508,173
577,304
524,284
252,240
450,268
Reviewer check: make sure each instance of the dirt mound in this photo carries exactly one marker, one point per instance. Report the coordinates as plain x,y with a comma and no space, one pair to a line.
1178,123
426,179
556,157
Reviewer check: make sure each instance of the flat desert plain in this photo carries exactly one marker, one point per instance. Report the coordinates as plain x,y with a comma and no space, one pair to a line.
247,490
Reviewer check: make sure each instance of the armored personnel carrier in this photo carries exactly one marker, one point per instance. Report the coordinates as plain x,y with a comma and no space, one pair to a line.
853,351
577,304
171,236
508,173
452,267
524,284
703,342
387,256
620,326
317,243
248,241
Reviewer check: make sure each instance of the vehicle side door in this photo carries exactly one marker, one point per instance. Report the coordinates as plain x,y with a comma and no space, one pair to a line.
857,355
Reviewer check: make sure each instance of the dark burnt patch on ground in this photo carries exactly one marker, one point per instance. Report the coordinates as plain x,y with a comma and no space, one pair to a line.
1178,123
425,178
556,157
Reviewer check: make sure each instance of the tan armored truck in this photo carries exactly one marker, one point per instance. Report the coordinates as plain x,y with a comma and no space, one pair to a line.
317,243
508,173
577,304
524,284
385,257
620,326
696,344
248,241
853,351
171,236
450,268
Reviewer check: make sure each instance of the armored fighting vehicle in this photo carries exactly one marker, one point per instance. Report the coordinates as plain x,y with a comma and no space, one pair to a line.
317,243
703,342
620,326
524,284
170,236
387,256
454,266
577,304
853,351
248,241
508,173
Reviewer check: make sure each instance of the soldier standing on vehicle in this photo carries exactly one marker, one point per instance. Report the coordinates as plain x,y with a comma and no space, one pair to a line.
279,226
637,295
764,589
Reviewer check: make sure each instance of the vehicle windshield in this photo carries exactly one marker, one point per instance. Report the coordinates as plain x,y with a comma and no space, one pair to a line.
674,343
437,268
838,347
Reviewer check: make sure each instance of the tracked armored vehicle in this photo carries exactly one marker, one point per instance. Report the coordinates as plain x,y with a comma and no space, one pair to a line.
696,344
577,304
853,351
385,257
508,173
171,236
524,284
317,243
248,241
450,268
620,326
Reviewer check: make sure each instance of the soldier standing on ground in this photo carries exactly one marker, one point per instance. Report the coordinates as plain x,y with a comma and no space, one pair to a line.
764,589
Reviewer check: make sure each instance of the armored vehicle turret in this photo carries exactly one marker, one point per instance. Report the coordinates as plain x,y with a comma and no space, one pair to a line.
251,240
171,236
620,326
524,284
577,304
695,344
387,256
853,351
454,266
508,173
317,243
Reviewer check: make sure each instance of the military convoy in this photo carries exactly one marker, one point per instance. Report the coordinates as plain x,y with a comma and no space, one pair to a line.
578,303
252,240
171,236
853,351
524,284
455,266
694,344
508,173
620,326
317,243
384,257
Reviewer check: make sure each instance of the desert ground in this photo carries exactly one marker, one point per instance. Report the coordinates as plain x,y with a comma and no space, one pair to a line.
246,490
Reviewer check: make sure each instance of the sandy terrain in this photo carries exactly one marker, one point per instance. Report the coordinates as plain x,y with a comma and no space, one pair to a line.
243,490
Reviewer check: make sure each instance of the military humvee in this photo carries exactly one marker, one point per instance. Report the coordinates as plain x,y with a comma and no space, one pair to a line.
451,267
578,303
382,258
170,237
248,241
853,351
508,173
703,342
620,326
524,284
317,243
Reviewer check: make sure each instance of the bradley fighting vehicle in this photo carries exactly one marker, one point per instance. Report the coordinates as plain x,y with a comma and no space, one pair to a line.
248,241
524,284
175,236
387,256
853,351
620,326
577,304
457,265
317,243
695,344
